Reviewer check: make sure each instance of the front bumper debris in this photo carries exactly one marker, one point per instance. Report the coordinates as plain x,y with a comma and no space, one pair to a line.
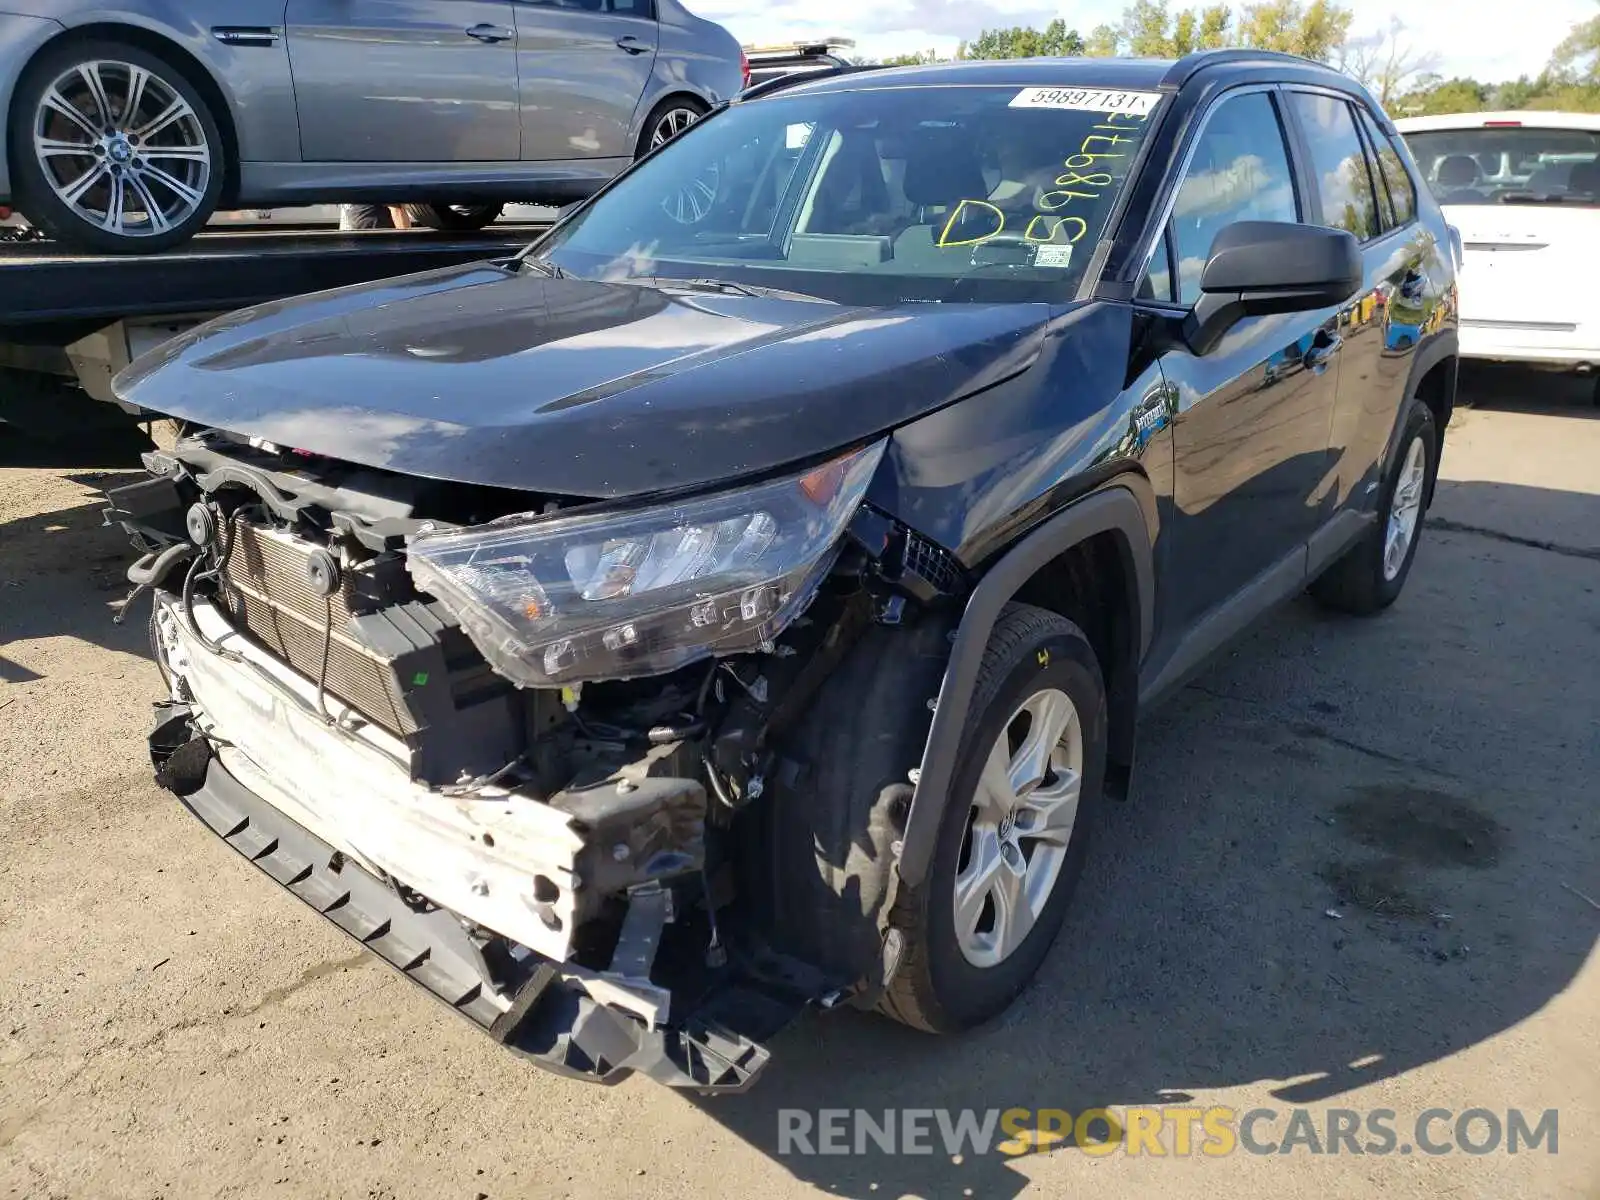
549,1019
332,819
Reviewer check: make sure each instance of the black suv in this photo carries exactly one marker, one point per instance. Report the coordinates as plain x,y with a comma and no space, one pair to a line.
728,607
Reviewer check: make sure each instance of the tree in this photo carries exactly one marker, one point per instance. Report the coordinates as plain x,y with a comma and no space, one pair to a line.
1577,58
1385,62
1146,29
1054,41
1516,93
1433,95
1149,28
918,58
1214,25
1102,42
1315,30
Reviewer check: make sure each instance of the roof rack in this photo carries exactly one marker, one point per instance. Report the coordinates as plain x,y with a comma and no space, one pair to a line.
1187,67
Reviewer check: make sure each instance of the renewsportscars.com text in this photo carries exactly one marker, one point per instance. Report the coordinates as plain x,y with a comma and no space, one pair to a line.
1167,1131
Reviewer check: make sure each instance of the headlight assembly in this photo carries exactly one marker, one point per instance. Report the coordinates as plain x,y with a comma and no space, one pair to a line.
553,601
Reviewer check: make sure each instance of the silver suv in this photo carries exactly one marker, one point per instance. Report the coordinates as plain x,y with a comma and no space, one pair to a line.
124,135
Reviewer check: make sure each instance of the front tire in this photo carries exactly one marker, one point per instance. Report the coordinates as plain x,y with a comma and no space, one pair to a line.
829,848
966,959
115,149
454,218
1370,575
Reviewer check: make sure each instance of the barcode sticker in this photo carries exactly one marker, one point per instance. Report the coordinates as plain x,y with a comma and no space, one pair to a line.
1135,104
1052,256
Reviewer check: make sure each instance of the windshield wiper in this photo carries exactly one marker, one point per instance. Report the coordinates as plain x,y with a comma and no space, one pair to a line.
725,286
541,266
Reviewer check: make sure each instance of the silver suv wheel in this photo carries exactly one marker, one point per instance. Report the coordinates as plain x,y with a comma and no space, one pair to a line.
122,148
1405,506
1022,819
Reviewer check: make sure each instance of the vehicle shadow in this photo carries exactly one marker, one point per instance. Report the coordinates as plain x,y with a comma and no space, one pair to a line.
1330,874
1510,388
63,572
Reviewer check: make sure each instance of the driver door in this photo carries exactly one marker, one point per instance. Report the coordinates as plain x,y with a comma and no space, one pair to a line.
402,81
1251,432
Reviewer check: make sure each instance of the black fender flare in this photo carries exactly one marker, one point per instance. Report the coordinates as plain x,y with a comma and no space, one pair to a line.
1113,509
1442,346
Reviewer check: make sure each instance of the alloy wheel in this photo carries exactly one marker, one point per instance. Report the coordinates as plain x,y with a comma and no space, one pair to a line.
1405,507
1020,825
122,148
692,202
673,122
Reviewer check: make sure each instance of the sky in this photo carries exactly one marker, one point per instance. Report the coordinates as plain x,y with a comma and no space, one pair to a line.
1488,39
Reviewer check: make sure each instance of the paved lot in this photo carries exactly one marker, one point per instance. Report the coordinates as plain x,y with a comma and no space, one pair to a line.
173,1026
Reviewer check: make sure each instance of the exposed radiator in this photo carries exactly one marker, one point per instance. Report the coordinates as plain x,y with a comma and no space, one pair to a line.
271,599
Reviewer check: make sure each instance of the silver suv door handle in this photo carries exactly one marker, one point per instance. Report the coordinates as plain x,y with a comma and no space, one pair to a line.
632,44
491,33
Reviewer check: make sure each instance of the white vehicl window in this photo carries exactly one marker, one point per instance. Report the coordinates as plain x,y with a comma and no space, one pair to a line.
1509,164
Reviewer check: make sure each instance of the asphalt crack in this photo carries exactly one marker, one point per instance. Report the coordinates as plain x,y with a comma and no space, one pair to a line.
1446,525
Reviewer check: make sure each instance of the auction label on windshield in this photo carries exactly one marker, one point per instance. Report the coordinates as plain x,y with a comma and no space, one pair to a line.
1137,104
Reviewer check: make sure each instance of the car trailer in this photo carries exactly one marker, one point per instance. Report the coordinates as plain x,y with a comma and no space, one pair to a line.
69,321
796,58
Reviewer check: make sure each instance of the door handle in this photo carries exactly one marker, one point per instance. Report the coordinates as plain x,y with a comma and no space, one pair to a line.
1322,351
631,44
491,33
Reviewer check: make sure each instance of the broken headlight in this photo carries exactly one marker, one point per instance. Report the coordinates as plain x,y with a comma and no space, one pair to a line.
552,601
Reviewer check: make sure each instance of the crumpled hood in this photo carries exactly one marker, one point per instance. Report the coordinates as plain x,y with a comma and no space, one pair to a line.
510,378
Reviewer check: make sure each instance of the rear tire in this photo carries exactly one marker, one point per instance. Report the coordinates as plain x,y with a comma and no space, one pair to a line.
666,121
454,218
148,177
1370,575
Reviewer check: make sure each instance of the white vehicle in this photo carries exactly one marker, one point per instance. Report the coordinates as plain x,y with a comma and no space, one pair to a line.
1523,189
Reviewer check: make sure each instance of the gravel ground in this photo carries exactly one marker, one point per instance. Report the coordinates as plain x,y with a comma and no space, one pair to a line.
172,1025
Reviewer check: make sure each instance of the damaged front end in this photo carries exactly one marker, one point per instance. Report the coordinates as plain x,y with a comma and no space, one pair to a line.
510,752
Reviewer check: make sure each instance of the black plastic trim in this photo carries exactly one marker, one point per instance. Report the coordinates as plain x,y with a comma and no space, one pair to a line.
551,1022
1114,509
1225,622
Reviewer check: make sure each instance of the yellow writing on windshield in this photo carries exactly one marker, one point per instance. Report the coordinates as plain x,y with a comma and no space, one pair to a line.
1089,172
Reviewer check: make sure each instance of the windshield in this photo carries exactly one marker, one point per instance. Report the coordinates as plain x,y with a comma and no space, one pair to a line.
873,196
1509,165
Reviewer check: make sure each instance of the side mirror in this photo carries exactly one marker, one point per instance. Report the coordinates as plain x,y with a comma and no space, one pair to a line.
1261,267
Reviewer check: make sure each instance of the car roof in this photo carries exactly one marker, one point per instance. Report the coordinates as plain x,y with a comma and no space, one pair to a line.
1477,120
1125,74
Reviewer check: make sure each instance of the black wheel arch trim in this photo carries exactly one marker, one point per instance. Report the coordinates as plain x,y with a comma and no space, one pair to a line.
1442,347
1113,509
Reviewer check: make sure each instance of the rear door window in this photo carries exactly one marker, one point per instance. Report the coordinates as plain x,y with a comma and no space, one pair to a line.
1338,164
